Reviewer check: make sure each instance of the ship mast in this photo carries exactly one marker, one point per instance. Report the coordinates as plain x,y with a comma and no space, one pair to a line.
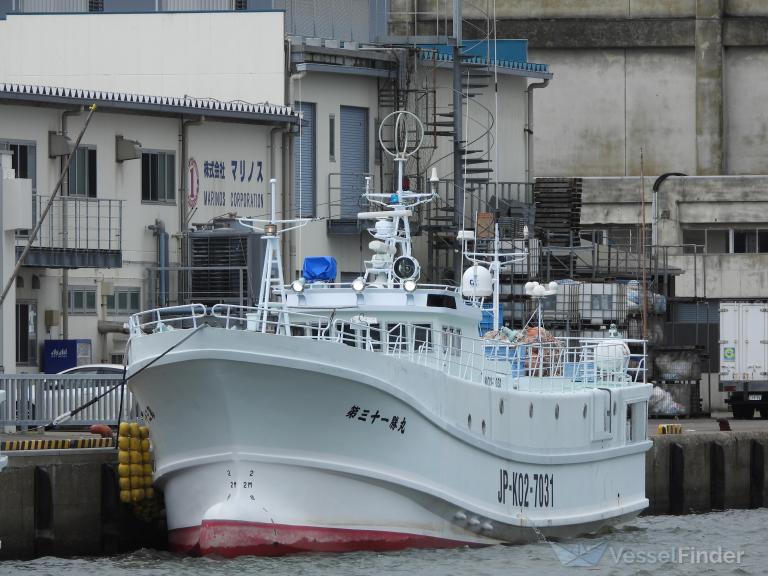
272,279
496,261
392,230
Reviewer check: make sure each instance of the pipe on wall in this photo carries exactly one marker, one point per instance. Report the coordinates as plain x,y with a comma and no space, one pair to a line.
183,161
529,127
65,192
163,257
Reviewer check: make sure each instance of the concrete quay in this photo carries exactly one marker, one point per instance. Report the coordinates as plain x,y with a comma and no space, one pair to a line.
66,503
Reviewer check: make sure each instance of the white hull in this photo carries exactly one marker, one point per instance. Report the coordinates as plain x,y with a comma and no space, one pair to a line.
257,453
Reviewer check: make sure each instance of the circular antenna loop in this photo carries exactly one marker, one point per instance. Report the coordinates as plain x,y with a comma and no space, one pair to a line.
406,128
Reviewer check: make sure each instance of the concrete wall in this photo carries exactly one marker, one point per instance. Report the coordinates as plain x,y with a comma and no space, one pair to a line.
605,105
680,78
718,201
693,473
224,55
80,515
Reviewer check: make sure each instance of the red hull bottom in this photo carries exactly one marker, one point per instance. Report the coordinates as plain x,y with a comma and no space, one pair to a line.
231,538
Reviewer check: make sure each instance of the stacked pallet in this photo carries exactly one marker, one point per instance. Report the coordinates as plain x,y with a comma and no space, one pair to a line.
558,210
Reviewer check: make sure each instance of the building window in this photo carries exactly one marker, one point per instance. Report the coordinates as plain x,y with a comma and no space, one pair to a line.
82,300
26,333
694,241
744,241
726,240
24,165
332,137
158,177
124,301
82,173
23,159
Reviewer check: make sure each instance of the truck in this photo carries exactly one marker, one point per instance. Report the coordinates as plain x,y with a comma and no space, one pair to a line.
744,357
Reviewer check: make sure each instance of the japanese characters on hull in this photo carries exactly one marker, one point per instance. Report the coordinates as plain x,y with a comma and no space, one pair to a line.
396,423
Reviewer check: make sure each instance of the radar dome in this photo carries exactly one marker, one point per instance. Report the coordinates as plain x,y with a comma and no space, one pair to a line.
477,282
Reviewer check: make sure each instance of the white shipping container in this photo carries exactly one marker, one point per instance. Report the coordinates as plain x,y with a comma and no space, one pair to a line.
744,341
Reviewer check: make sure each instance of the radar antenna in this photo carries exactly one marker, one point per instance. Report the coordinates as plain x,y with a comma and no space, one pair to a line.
392,232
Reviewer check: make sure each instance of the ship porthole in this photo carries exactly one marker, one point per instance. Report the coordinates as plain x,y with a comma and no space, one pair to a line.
557,411
584,411
483,427
501,406
469,421
530,410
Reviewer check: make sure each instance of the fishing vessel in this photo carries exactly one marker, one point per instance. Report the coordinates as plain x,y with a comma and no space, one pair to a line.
374,415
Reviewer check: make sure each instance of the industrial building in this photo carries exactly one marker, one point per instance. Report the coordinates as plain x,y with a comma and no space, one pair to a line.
659,80
182,146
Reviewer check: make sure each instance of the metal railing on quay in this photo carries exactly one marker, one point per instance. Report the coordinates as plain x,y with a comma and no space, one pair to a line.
37,399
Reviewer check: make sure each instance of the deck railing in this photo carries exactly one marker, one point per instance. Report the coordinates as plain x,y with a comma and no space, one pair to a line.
553,365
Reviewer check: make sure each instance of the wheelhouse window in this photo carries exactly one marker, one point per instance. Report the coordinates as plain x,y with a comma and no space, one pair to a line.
422,338
452,341
397,338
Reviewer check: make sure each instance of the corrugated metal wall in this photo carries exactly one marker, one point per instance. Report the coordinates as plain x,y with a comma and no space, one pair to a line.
304,177
339,19
354,158
52,6
191,5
